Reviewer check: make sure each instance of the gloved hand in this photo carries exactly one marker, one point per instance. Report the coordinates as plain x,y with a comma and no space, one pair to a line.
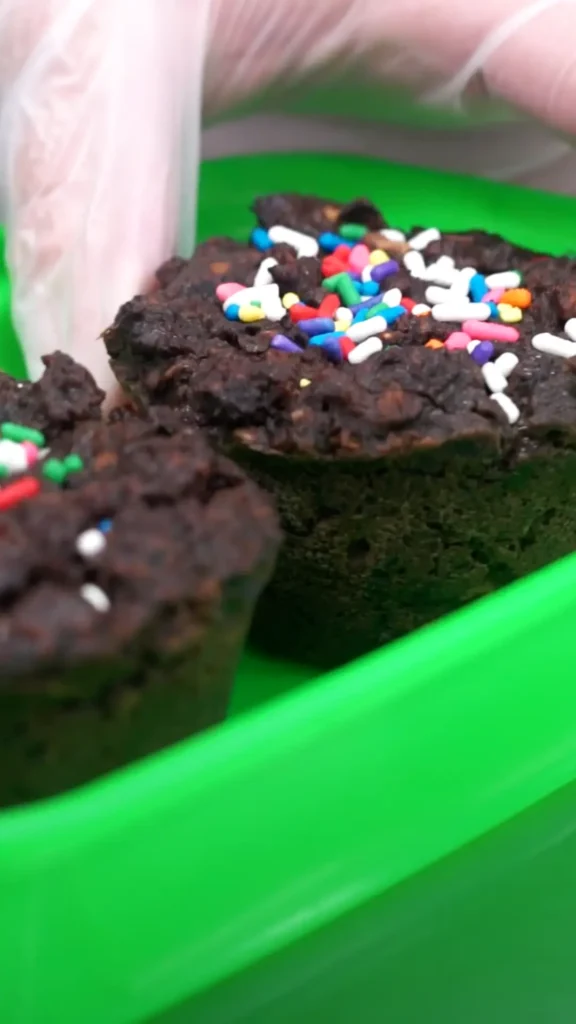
101,106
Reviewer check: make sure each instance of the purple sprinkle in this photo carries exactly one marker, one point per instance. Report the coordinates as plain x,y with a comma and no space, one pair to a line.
483,352
383,270
284,344
359,306
317,325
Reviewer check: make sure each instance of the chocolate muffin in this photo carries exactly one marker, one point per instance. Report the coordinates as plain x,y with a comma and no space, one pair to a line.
130,563
410,402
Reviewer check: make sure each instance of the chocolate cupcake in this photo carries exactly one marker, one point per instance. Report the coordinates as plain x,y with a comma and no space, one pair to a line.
410,402
130,563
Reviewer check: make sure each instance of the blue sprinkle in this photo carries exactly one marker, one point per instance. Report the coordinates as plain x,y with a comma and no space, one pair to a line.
392,314
369,288
366,304
330,242
105,525
493,310
333,350
360,316
261,239
317,325
323,339
232,313
478,288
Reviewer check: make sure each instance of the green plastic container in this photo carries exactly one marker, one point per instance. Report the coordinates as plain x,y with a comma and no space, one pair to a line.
393,842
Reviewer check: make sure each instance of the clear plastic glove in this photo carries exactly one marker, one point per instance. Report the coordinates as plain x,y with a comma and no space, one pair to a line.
101,105
98,129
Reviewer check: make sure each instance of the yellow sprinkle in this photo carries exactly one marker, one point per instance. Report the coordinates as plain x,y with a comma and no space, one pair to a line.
509,314
304,382
248,314
378,256
290,299
342,325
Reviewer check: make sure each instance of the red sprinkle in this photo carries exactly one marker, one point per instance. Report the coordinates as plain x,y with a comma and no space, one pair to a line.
407,303
299,312
346,346
24,488
331,266
329,305
342,253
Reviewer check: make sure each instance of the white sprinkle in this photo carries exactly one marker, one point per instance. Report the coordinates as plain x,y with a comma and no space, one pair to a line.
96,597
392,297
368,348
13,456
461,284
414,263
366,328
263,275
509,408
274,311
470,348
343,313
305,245
570,328
504,279
424,238
436,294
506,363
366,274
267,294
421,309
554,346
493,379
460,309
393,235
443,272
90,543
264,293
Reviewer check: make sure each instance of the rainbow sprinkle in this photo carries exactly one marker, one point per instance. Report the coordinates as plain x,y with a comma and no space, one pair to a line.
21,448
358,277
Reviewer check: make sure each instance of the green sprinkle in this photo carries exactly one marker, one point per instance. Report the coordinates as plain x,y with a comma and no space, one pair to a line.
256,302
377,310
4,472
73,463
14,432
331,283
348,291
353,232
54,470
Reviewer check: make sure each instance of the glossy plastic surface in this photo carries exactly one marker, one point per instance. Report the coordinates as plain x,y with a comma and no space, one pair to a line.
308,860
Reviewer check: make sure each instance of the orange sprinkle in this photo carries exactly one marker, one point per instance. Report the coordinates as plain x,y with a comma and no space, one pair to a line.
434,343
519,297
